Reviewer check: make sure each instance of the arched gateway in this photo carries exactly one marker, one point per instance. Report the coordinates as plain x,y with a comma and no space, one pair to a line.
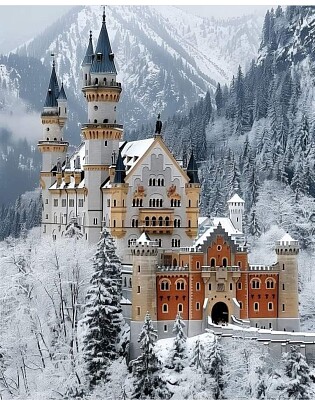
220,313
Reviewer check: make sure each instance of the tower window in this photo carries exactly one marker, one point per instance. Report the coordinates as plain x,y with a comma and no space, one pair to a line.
55,202
283,307
105,143
239,285
98,58
256,306
283,286
231,286
47,129
164,308
165,328
197,306
138,310
138,289
180,285
209,287
270,306
255,284
95,108
180,308
95,121
105,121
165,285
241,305
198,286
197,265
95,221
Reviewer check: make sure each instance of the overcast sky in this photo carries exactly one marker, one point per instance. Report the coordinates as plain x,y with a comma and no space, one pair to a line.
19,24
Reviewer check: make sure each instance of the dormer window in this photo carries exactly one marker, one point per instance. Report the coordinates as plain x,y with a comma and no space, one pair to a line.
99,57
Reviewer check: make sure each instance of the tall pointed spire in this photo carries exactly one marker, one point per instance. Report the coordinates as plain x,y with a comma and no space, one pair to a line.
88,58
62,93
192,170
53,89
120,172
103,61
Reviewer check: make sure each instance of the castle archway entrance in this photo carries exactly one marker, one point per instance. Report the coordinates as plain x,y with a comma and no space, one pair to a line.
220,313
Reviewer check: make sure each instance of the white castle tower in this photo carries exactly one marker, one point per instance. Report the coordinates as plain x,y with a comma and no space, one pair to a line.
52,146
101,133
287,250
236,210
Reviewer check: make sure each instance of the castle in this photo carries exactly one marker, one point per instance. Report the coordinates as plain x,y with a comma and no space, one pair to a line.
173,261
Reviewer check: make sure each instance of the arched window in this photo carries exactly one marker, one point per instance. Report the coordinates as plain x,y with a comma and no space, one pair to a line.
270,306
160,221
180,308
255,283
150,203
212,262
180,284
133,223
133,203
167,221
164,308
130,282
224,262
125,282
165,285
147,221
270,283
150,182
162,182
174,262
153,221
141,201
256,306
158,182
153,182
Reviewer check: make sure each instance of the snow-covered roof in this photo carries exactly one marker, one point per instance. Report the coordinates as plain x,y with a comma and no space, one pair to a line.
287,239
144,239
236,199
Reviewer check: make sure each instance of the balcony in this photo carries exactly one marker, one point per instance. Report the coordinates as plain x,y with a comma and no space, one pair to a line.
95,125
221,272
157,220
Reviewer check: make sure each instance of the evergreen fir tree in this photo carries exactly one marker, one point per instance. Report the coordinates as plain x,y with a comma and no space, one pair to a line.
73,229
298,372
102,316
179,344
146,368
219,99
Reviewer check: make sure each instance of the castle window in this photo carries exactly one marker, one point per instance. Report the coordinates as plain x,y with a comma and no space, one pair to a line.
283,307
95,108
108,202
270,284
239,263
63,202
55,202
71,202
209,287
231,286
95,121
180,285
153,182
270,325
46,201
164,308
197,265
160,221
197,306
105,143
239,285
241,305
282,267
175,242
80,202
270,306
150,182
95,221
165,285
189,203
138,310
47,129
212,262
115,108
283,286
167,221
105,121
125,282
224,262
165,328
147,221
160,242
133,203
219,248
153,221
255,283
139,268
114,203
138,289
130,282
179,308
256,306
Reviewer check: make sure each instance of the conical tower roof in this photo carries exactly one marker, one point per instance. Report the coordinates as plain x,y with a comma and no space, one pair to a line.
104,58
192,170
88,58
120,172
53,90
62,94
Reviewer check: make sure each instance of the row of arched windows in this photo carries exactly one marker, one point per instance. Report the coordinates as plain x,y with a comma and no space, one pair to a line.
157,221
165,284
102,97
269,283
137,203
175,242
155,203
256,306
156,182
175,203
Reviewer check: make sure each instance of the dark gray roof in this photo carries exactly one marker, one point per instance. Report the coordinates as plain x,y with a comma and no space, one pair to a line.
104,58
120,171
88,58
192,170
53,90
62,94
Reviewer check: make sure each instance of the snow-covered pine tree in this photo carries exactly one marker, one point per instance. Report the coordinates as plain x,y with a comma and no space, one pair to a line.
102,316
212,363
298,372
73,229
179,350
146,368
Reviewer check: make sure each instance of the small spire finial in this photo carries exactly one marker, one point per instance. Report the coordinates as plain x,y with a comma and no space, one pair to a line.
53,58
158,126
91,35
104,16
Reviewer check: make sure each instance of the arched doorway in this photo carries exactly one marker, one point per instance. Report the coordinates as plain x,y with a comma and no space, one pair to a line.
220,313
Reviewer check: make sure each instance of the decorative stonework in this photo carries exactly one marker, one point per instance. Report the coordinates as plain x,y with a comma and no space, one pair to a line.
139,193
172,194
